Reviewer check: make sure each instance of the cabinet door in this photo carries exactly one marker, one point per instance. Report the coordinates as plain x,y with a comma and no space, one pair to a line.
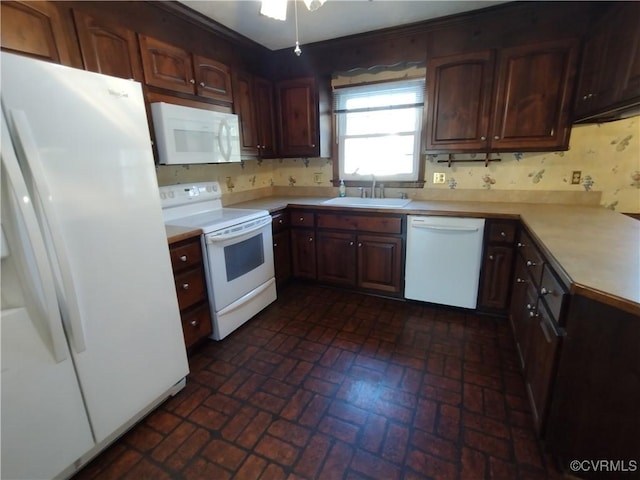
263,96
34,29
496,281
298,118
282,256
459,89
629,72
245,108
380,263
166,66
337,258
108,49
303,253
533,97
540,364
213,79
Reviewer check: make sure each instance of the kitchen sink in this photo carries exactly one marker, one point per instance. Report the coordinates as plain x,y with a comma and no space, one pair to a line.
368,202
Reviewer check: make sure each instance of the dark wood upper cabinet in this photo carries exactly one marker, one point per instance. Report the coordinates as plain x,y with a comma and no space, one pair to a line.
166,66
263,98
173,68
303,113
458,99
108,49
515,99
34,29
297,117
535,85
609,77
213,79
244,106
253,102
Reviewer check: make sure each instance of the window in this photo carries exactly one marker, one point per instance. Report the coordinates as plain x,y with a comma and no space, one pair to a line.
378,128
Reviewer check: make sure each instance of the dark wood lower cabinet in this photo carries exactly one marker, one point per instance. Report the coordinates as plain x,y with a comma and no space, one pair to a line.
496,270
282,256
337,258
303,253
380,263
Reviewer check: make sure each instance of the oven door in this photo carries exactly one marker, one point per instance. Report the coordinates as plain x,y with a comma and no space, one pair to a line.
239,260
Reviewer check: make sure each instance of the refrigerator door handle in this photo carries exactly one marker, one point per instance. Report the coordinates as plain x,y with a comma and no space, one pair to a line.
47,306
68,297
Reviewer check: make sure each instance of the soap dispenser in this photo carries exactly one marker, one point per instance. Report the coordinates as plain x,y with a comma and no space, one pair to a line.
342,190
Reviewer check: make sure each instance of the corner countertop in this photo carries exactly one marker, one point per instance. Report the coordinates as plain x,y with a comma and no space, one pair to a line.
596,250
176,234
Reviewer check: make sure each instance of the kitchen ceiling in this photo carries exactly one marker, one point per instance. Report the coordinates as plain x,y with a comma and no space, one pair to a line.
336,18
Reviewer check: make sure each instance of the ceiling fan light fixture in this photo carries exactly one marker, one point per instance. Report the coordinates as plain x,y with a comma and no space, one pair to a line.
313,5
276,9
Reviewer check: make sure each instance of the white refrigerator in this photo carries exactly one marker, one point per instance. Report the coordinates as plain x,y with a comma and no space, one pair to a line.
90,327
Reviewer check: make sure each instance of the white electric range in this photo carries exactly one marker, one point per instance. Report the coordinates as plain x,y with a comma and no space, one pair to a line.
237,250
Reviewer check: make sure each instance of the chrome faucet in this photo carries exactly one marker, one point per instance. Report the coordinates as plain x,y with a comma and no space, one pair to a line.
373,186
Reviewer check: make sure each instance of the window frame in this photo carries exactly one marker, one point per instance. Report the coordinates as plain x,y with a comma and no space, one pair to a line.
366,180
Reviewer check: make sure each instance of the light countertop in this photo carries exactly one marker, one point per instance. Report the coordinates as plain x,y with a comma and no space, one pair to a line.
596,250
177,234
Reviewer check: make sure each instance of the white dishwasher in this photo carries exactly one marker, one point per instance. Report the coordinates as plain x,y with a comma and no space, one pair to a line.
443,259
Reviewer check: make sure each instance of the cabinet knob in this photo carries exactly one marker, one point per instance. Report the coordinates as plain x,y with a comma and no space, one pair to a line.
192,81
193,323
530,263
275,244
544,291
280,221
202,84
185,286
311,239
490,257
519,280
502,234
302,219
313,145
533,314
360,244
520,245
351,244
483,138
183,258
496,137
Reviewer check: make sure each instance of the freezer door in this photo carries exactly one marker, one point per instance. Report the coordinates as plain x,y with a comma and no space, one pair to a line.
83,144
44,424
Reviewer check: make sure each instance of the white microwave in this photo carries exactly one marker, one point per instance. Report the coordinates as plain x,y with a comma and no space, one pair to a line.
186,135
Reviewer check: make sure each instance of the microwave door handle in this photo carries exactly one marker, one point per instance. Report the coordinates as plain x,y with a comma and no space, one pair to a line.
60,261
212,238
224,133
35,272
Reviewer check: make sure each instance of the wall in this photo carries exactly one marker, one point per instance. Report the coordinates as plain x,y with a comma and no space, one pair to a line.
607,155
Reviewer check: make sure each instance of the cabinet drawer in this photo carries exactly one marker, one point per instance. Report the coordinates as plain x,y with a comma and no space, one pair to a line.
360,223
502,232
190,287
279,221
196,325
532,257
184,255
553,292
302,219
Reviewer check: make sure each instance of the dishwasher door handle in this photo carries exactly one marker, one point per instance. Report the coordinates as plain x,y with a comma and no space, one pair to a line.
446,228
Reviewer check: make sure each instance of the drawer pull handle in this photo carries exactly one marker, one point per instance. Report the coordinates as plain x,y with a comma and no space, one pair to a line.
185,286
519,280
530,263
183,258
533,314
193,323
544,291
202,84
192,81
531,306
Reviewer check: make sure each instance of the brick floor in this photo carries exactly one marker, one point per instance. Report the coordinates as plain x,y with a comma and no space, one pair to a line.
328,384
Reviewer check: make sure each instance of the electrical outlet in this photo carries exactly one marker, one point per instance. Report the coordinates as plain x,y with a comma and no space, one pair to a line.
576,176
438,177
317,178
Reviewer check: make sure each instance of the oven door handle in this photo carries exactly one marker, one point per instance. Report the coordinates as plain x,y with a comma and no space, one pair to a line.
258,224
